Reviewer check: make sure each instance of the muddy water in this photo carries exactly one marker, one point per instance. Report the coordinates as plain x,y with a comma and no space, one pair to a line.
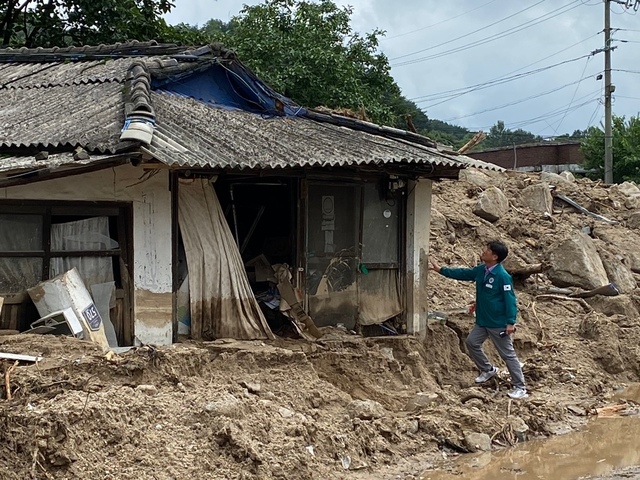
605,446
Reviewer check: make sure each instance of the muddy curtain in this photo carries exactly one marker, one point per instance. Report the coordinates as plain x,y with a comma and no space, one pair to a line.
222,302
379,296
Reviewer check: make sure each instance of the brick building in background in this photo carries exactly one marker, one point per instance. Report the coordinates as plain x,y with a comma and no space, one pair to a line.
546,156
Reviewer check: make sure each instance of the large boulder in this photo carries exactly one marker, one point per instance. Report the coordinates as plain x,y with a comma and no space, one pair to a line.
475,177
618,272
631,193
538,198
575,262
492,204
568,176
626,244
554,178
628,189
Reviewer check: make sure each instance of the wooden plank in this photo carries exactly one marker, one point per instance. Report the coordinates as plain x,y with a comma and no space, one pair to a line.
1,304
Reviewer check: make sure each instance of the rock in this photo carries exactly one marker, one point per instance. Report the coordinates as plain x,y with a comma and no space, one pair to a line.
252,387
422,400
618,272
554,178
387,353
285,412
148,389
477,442
634,220
568,176
80,154
365,409
413,426
633,202
438,220
519,427
628,189
492,204
625,243
225,406
475,177
580,411
621,305
575,262
538,198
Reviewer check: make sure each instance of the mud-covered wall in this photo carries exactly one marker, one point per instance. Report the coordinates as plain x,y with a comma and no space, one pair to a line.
151,201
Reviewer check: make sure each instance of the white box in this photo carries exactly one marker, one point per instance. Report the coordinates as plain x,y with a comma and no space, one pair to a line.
68,291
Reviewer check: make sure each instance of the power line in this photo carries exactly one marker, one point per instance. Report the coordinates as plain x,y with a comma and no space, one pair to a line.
439,23
467,34
465,90
497,82
492,38
574,95
532,97
553,113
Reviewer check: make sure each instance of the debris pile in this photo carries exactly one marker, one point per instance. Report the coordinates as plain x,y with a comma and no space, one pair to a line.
345,405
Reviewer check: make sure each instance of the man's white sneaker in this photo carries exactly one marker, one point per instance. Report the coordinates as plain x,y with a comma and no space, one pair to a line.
518,393
484,376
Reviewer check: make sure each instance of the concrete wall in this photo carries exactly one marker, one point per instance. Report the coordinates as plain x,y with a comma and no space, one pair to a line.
151,201
418,231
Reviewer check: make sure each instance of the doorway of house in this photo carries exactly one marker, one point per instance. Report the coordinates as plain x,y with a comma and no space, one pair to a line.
262,216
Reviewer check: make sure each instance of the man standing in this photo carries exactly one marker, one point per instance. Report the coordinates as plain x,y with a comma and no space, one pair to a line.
496,311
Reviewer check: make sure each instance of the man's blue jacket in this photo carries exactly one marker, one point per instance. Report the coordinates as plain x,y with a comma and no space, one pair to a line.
496,304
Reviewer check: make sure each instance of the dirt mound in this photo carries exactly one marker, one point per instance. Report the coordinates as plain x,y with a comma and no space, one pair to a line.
346,406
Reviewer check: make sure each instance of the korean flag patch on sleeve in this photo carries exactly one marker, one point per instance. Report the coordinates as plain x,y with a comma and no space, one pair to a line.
507,288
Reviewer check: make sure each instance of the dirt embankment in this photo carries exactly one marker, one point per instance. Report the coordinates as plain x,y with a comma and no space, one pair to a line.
345,407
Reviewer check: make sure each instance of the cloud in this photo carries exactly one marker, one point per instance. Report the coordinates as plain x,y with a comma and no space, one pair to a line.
486,52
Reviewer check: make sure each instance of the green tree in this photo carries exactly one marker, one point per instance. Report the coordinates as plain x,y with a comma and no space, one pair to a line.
626,149
500,136
308,51
49,23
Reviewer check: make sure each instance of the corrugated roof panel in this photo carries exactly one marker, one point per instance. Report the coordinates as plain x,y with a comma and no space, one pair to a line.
89,115
193,134
33,75
54,162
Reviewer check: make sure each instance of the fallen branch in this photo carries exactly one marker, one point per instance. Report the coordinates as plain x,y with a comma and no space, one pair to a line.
532,307
581,301
611,409
528,270
7,378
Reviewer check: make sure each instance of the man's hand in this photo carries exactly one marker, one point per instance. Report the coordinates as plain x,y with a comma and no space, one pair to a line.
511,329
433,265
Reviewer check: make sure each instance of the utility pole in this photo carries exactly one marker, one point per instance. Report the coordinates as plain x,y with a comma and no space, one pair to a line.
608,91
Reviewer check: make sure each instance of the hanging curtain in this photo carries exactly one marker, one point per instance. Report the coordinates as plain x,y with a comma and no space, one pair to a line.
80,235
222,302
379,296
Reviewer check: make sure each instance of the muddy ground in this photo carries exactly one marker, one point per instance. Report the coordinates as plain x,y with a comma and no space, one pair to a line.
346,406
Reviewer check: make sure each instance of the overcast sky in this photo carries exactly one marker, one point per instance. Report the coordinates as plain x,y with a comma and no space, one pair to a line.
439,46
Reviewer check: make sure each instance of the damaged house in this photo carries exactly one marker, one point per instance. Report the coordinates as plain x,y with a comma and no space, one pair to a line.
186,194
